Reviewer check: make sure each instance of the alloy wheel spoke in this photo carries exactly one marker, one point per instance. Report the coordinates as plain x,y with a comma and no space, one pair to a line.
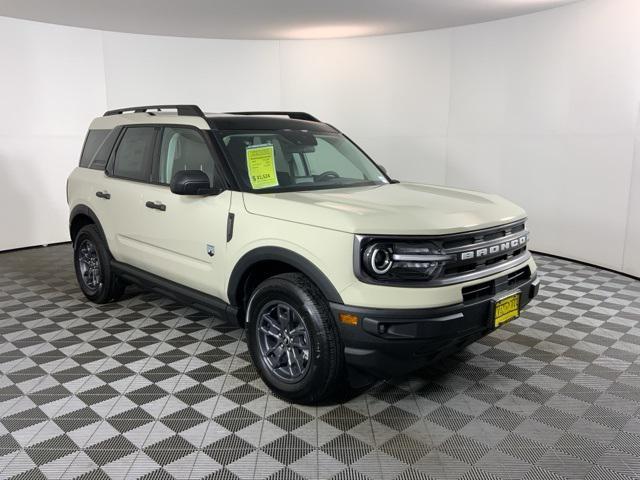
271,322
273,361
300,346
289,362
298,331
270,333
273,348
284,316
283,358
295,358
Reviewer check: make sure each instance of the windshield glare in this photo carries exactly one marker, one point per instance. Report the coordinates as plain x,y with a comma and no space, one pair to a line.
294,160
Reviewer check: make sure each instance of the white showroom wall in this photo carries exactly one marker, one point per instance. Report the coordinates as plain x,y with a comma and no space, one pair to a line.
218,75
51,85
541,108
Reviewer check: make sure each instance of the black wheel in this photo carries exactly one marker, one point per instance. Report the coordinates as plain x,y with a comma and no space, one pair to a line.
93,269
293,340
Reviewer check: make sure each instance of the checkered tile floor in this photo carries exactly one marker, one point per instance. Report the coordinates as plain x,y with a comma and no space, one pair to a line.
149,388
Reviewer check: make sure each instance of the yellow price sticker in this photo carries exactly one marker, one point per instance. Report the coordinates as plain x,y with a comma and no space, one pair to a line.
261,165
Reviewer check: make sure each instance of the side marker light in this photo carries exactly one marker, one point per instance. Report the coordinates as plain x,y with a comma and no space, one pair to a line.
349,319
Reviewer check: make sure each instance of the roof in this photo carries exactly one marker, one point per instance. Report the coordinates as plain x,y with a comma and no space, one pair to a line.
263,122
193,115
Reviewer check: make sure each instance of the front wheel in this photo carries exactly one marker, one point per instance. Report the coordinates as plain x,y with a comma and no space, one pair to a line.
293,340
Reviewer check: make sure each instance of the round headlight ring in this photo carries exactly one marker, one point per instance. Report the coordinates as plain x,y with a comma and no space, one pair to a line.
378,258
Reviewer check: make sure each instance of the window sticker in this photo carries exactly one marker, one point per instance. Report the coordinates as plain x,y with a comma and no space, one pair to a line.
261,165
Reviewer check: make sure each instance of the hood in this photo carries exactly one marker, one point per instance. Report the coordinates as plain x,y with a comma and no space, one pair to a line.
396,209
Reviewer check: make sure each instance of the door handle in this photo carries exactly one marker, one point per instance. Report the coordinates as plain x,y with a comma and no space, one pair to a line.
105,195
156,206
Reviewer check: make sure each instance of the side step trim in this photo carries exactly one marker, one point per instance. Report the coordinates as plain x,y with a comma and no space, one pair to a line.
189,296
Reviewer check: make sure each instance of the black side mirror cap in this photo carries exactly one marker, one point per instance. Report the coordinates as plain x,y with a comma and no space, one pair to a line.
192,182
384,170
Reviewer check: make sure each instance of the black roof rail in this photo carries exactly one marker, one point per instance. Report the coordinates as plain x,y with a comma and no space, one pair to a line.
183,110
294,115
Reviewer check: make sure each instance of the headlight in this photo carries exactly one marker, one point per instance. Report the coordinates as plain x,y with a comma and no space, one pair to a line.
402,261
378,258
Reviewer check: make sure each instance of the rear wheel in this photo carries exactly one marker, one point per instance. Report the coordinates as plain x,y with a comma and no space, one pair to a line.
293,339
93,269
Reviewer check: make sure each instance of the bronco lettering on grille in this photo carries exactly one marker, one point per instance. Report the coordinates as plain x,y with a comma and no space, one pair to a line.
500,247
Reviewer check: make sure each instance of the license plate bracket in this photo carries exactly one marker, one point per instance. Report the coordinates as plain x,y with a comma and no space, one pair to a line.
506,308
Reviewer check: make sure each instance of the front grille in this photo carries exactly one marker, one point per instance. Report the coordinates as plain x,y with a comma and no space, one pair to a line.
462,239
476,240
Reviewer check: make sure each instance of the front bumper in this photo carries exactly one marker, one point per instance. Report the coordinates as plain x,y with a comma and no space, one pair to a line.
389,342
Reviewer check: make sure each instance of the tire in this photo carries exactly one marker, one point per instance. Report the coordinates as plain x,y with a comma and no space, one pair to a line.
321,374
93,267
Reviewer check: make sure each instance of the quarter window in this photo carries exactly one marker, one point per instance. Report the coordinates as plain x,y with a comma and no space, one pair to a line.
133,154
91,144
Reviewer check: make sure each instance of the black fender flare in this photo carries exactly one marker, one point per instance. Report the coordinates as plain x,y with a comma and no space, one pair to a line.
283,255
82,209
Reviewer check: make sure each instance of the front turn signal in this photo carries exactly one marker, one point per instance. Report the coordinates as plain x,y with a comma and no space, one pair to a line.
349,319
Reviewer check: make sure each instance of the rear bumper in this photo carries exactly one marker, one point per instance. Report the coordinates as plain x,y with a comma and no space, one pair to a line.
390,342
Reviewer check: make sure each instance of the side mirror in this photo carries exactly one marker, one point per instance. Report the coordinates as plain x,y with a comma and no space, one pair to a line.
384,170
191,182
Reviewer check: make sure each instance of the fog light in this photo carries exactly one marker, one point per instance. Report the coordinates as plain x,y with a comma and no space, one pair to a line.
349,319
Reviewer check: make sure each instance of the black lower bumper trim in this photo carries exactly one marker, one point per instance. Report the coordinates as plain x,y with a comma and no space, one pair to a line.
389,342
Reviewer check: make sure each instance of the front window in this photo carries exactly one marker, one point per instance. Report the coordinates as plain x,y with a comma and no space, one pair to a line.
295,160
183,148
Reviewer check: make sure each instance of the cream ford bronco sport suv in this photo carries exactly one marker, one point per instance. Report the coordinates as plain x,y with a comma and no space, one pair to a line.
279,222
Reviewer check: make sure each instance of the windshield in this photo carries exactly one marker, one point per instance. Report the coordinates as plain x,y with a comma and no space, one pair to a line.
294,160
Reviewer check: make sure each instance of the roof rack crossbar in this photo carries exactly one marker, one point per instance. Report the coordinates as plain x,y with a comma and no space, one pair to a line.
294,115
183,110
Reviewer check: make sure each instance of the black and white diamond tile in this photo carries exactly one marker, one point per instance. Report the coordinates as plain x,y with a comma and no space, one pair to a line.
147,388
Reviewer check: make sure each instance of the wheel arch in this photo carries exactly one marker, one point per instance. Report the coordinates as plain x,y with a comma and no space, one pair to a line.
80,216
278,258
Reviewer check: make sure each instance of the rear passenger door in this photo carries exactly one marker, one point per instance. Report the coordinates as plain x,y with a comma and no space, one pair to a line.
184,236
129,171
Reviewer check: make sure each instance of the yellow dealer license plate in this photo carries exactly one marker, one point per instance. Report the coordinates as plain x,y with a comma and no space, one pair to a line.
506,309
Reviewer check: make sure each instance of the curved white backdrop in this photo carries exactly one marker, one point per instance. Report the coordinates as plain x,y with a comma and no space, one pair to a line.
542,109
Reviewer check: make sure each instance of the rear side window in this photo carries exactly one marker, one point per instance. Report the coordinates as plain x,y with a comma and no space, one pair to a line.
91,144
132,159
